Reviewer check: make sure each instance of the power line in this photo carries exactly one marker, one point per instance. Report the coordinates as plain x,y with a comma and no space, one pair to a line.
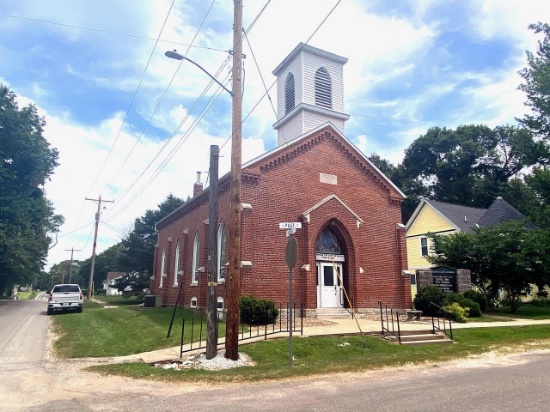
132,103
136,36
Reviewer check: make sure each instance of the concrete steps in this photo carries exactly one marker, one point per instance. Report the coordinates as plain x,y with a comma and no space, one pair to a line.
332,313
411,337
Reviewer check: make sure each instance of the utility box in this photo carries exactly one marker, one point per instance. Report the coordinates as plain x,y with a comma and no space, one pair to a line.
152,301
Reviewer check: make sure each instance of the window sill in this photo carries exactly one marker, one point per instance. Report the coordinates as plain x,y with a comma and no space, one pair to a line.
175,285
194,284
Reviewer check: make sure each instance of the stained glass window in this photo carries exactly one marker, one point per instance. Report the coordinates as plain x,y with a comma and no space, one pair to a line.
327,243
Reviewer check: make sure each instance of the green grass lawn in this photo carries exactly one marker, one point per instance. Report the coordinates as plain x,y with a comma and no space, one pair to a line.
526,310
27,295
326,355
120,331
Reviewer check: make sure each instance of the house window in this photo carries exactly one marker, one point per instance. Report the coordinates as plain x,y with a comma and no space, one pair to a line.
194,302
220,303
289,93
177,264
323,88
413,279
162,268
424,246
195,272
222,236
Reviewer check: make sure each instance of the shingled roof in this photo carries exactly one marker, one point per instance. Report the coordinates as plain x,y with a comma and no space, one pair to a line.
466,218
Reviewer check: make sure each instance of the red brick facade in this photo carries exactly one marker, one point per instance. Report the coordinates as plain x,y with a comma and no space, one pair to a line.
359,204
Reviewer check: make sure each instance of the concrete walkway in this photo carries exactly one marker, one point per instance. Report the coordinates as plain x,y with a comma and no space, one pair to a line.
336,327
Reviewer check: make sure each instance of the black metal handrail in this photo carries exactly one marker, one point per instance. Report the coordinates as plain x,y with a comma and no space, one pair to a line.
391,317
446,318
253,331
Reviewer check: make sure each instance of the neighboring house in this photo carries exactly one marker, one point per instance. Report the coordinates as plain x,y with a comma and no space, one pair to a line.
110,282
349,210
441,218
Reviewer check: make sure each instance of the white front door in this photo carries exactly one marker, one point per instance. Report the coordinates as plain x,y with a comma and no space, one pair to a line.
329,289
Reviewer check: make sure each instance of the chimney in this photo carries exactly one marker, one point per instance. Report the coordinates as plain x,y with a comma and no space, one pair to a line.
197,187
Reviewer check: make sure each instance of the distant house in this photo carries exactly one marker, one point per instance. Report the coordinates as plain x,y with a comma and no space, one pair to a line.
444,219
109,284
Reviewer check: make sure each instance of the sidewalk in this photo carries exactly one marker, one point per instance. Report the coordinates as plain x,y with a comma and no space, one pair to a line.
337,327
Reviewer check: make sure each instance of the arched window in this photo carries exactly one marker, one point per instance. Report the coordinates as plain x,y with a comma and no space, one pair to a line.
323,88
289,93
195,272
162,268
222,236
328,243
177,264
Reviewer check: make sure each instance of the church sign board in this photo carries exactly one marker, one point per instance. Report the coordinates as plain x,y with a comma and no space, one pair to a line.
444,278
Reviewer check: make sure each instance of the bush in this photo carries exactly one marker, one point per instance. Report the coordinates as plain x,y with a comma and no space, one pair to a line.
473,307
478,297
426,295
257,311
100,292
456,312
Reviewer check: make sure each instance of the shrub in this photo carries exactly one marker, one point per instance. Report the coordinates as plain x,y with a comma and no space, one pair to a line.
474,310
257,311
456,312
426,295
478,297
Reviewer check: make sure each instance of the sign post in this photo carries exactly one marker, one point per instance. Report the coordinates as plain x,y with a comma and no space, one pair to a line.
291,256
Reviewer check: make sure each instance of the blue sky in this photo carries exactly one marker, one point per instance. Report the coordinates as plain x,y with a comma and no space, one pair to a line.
131,126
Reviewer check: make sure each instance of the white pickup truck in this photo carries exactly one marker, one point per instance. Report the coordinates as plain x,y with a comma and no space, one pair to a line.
67,296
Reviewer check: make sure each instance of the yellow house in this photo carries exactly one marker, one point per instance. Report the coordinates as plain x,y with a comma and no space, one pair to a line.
443,219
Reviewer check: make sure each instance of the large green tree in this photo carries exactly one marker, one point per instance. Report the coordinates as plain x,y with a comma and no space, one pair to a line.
470,165
537,86
139,245
26,216
507,256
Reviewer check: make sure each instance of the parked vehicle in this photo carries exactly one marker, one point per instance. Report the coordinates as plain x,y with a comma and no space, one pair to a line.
65,297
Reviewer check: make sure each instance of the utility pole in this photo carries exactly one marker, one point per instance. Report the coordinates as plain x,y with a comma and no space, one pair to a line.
234,238
213,265
97,217
72,250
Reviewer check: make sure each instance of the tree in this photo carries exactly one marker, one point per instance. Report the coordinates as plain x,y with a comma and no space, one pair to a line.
139,245
507,256
26,216
134,281
537,86
470,165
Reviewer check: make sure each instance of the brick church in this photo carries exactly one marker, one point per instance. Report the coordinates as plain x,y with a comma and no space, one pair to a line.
349,210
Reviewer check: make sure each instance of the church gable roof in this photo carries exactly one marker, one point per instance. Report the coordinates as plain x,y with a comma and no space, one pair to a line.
292,149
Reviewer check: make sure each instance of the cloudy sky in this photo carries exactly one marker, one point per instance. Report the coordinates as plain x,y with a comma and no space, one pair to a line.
133,126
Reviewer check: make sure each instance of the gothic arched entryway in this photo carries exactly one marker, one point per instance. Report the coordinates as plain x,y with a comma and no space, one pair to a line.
330,258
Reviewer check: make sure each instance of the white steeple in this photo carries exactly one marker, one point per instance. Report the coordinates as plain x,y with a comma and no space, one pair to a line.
310,92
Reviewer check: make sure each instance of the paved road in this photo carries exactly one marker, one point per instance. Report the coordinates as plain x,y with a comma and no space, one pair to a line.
23,326
32,381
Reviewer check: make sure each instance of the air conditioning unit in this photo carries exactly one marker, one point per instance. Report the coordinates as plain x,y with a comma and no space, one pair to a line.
152,301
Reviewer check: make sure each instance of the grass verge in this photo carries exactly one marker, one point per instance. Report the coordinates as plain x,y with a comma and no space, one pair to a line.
526,310
27,295
124,330
326,355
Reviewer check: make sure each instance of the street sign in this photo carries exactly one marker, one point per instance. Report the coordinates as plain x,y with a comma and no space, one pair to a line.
290,225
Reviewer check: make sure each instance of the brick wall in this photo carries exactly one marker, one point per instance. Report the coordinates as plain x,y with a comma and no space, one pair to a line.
363,212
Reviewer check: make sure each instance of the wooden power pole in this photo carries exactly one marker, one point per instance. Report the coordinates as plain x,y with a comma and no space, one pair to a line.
72,250
234,238
213,265
97,217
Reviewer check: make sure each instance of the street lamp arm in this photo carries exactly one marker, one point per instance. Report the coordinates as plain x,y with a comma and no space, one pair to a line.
175,55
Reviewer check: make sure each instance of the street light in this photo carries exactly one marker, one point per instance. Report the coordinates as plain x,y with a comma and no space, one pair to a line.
232,280
173,54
